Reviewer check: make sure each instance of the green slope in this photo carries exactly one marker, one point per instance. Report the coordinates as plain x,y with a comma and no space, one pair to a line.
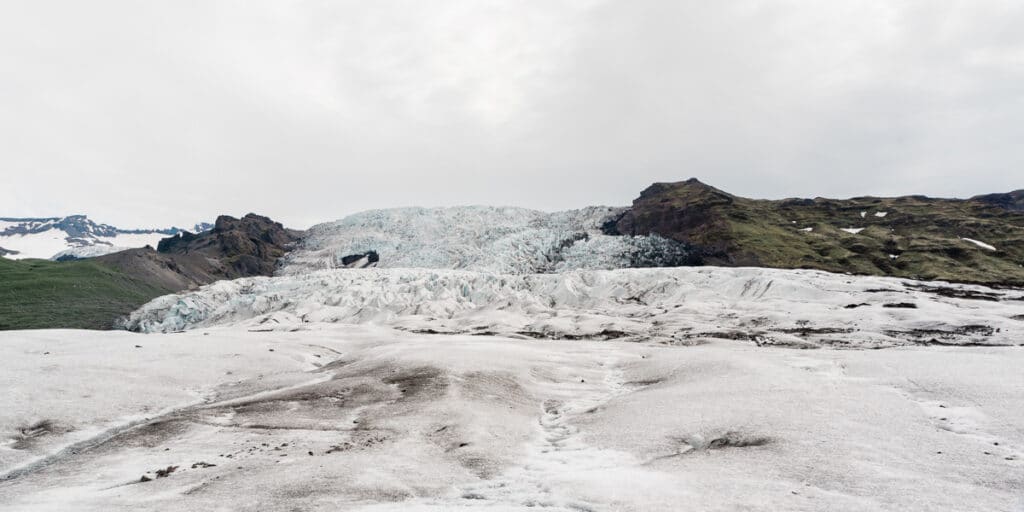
912,236
36,294
93,293
919,238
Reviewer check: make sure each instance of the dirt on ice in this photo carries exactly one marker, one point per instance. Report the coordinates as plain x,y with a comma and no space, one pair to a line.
371,418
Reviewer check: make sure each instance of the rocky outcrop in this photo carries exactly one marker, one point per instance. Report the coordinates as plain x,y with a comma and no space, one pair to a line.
361,260
244,247
690,212
233,248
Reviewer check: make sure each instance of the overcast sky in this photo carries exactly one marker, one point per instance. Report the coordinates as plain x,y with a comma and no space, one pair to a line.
145,113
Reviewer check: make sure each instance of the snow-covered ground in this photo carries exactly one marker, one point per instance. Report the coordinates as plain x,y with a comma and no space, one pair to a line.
802,308
368,418
983,245
35,245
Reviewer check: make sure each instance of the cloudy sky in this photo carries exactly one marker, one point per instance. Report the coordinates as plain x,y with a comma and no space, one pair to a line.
155,113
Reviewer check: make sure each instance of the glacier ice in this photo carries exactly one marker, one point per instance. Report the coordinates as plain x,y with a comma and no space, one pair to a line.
519,272
494,239
802,308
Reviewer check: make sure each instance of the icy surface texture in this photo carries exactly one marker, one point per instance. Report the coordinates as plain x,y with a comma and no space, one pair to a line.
362,418
504,240
680,305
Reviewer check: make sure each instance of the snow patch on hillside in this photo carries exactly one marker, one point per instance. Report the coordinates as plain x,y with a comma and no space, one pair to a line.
983,245
34,245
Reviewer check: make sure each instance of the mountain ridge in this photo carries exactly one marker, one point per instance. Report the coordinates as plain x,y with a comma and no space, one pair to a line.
74,236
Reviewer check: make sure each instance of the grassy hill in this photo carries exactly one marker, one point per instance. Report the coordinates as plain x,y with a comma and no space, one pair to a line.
73,294
913,236
93,293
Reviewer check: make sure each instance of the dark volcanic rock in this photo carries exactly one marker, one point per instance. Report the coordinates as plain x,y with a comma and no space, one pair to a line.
361,260
249,246
687,212
233,248
179,240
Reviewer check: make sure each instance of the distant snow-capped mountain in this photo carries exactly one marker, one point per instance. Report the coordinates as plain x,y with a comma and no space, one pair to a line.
74,236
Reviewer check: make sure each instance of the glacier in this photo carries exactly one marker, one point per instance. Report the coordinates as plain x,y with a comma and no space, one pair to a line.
802,308
483,238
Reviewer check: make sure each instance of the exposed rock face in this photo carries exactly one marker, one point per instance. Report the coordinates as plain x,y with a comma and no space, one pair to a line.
688,212
250,246
974,240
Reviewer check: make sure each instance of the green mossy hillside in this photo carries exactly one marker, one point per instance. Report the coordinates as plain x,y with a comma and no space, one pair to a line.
913,236
84,294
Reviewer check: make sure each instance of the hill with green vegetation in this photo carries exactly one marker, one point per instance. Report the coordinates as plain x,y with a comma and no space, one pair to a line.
977,240
94,293
86,294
